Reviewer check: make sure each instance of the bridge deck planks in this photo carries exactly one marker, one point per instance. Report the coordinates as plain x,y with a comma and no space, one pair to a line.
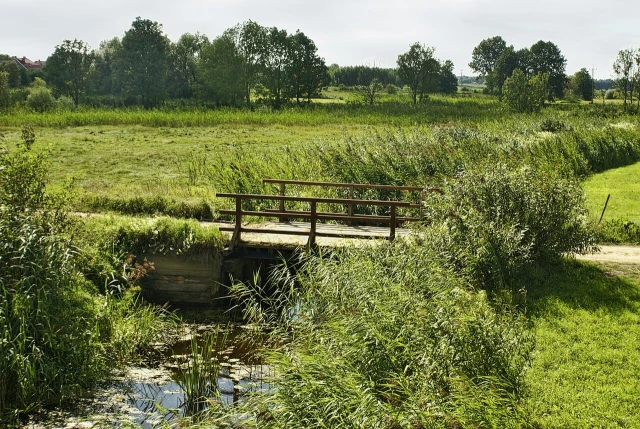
355,234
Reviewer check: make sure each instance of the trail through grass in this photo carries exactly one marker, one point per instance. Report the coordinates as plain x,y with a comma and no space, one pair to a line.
587,326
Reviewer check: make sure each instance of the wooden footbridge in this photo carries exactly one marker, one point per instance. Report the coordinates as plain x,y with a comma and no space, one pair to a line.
306,224
281,223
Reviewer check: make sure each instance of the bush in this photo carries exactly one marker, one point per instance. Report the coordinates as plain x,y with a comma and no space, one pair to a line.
610,94
65,104
40,99
498,220
391,89
49,345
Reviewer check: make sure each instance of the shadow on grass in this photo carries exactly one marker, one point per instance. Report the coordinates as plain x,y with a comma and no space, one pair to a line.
580,285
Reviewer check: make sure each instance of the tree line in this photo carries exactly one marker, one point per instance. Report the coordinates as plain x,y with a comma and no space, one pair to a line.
247,62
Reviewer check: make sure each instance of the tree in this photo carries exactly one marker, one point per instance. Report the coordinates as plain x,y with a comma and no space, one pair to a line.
9,66
486,54
68,68
39,98
275,60
106,74
220,71
5,96
623,69
184,56
448,80
145,61
418,69
251,42
523,94
509,61
370,91
307,71
545,57
581,84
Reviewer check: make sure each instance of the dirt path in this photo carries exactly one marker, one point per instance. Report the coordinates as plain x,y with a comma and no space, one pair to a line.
618,254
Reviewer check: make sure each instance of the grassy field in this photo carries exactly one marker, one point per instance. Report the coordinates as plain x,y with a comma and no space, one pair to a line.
585,368
624,186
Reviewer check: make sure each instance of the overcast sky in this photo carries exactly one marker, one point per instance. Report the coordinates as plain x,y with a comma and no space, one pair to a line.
347,32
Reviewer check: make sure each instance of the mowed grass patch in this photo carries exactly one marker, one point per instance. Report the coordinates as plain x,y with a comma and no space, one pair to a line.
587,326
624,186
130,161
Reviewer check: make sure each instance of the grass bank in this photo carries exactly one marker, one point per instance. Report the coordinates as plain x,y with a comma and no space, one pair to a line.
587,323
621,221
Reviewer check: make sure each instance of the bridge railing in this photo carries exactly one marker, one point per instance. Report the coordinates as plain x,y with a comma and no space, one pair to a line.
313,215
351,187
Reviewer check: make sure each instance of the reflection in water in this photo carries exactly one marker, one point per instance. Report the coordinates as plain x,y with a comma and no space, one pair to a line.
161,402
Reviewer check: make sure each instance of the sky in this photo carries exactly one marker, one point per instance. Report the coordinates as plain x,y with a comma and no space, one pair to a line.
347,32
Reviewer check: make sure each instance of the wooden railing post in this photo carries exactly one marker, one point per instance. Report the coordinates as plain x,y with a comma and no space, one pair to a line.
237,231
314,222
282,190
392,234
351,188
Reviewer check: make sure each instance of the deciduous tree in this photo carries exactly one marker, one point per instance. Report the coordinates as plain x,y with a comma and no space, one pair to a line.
185,55
145,61
68,68
418,69
486,54
545,57
524,94
581,84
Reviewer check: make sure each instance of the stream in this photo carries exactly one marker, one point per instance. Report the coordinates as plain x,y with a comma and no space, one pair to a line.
153,397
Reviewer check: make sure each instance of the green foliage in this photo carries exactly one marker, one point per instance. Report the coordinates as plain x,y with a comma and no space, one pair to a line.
418,69
582,84
40,98
546,58
369,92
145,61
65,104
486,55
525,95
49,344
5,95
68,68
387,337
497,220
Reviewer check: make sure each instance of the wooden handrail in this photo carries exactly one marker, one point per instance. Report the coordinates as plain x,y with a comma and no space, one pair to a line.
313,214
344,185
320,200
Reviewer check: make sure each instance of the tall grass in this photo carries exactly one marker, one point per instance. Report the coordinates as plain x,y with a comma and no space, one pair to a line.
199,377
56,332
417,333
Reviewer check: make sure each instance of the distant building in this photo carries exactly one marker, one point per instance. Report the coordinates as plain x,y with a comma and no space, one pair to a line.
27,64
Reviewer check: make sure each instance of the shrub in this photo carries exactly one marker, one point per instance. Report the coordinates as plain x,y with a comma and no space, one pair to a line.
65,104
498,220
610,94
40,99
49,345
391,89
